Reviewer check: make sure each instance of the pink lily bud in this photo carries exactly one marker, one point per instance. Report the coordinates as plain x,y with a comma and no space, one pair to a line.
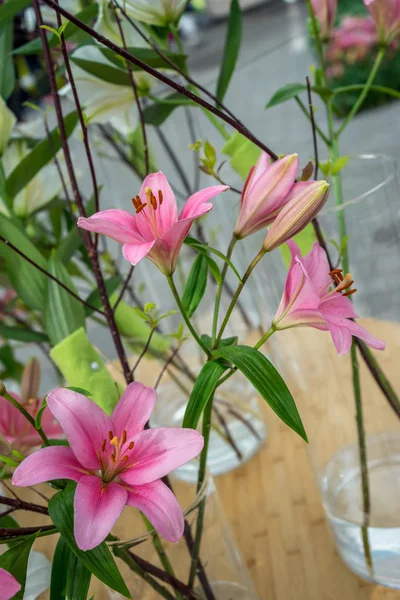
306,200
325,11
265,192
386,14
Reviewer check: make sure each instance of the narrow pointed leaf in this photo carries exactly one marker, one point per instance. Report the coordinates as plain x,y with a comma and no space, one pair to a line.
189,241
202,392
21,334
70,579
98,561
38,157
286,93
15,561
7,71
158,112
195,285
265,378
231,49
149,56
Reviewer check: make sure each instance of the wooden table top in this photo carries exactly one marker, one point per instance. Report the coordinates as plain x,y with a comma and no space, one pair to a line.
280,527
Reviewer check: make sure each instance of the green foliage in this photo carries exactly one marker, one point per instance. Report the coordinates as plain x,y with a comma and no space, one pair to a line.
98,561
231,49
204,249
15,561
148,56
195,285
29,283
202,392
94,298
159,111
70,579
21,334
7,74
63,313
265,378
11,8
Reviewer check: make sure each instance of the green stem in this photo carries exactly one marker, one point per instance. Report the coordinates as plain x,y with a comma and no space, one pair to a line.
237,293
24,413
360,86
265,337
185,315
307,114
362,447
364,92
201,476
219,291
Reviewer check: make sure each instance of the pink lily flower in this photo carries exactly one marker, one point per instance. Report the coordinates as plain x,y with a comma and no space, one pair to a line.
155,231
310,300
9,586
325,11
19,433
304,202
114,461
265,192
386,14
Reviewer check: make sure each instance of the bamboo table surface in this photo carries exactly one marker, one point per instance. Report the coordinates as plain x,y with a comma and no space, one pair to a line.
274,507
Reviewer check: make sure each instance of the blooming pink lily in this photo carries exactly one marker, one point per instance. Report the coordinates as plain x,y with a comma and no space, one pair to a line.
309,299
265,192
155,231
114,461
9,586
325,11
18,431
386,14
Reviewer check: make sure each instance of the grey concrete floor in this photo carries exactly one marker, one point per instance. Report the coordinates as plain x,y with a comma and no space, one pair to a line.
274,52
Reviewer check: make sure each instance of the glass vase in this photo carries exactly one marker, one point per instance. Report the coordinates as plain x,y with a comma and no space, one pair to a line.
221,573
361,497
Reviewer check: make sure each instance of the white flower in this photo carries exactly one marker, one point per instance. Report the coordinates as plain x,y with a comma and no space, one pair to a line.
105,102
7,122
40,190
155,12
107,25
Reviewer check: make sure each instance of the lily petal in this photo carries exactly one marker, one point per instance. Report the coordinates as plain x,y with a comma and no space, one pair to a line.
115,223
9,586
166,213
342,330
160,451
134,409
54,462
159,505
197,204
134,252
85,424
96,509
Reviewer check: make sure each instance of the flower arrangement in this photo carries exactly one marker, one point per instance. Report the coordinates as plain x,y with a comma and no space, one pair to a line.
90,439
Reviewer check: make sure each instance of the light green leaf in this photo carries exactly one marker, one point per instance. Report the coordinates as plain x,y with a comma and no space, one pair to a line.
70,579
63,313
105,72
202,392
231,49
15,561
195,285
286,92
62,28
38,157
265,378
28,282
51,29
98,561
339,164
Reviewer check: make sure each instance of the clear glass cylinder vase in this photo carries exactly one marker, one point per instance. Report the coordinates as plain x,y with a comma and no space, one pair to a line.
361,497
220,573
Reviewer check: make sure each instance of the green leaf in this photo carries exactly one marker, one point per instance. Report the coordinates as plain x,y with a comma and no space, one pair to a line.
70,579
231,49
15,561
51,29
203,248
38,157
202,392
98,561
21,334
38,419
7,72
157,113
94,298
195,285
62,28
229,341
147,55
79,390
11,8
27,280
286,93
63,313
265,378
105,72
214,269
339,164
35,46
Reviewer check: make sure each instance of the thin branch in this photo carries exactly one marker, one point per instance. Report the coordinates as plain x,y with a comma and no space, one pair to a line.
7,512
125,285
91,247
50,276
135,93
161,77
9,533
313,126
19,504
228,434
143,352
165,366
